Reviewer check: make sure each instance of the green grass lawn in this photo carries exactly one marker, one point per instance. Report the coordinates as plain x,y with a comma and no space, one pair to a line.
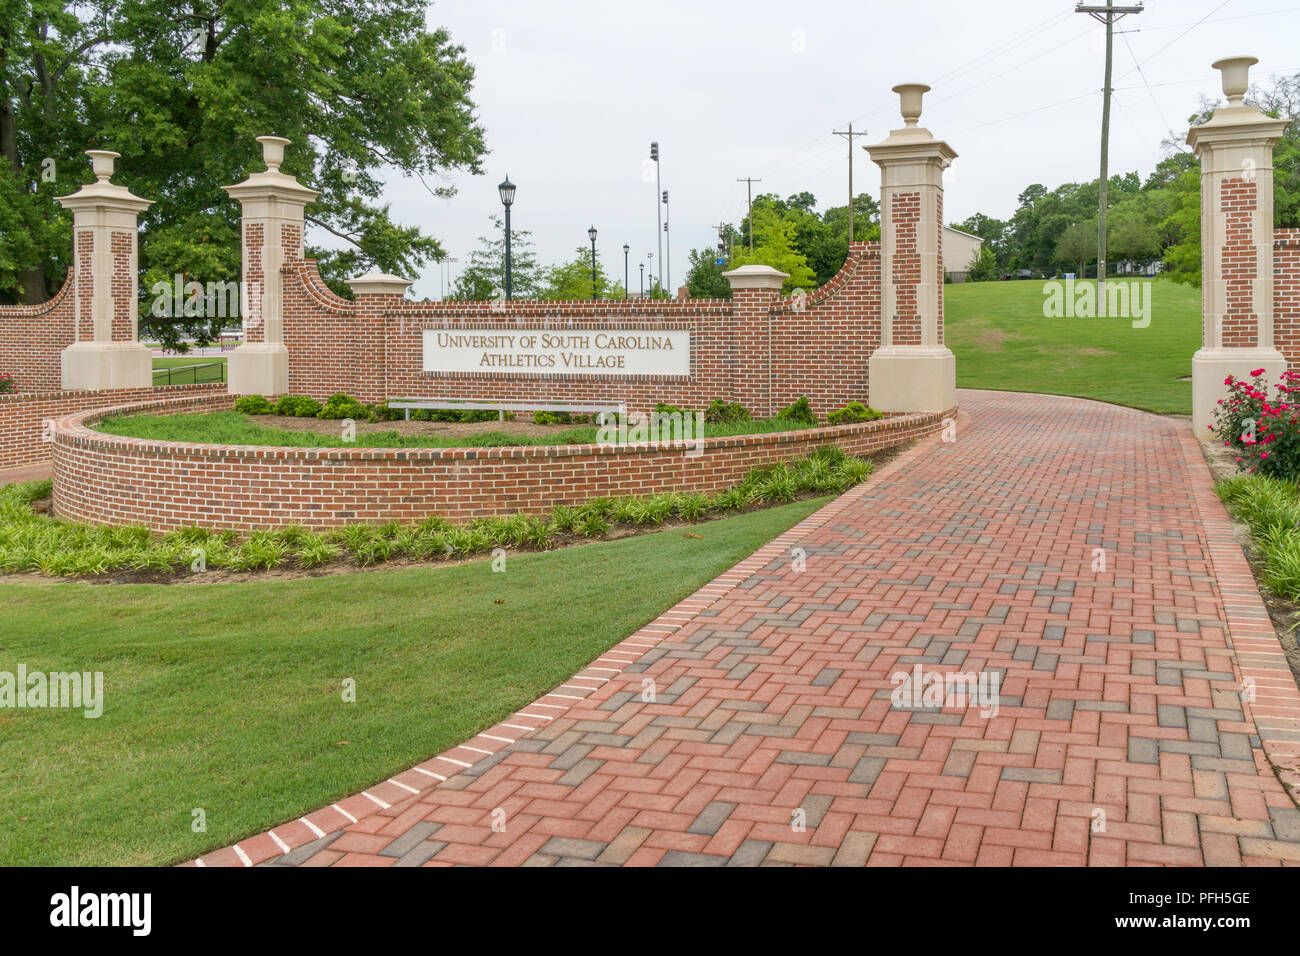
241,714
213,369
1002,340
234,428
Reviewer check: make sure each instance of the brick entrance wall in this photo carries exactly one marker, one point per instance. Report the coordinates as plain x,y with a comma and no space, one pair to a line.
1286,294
762,352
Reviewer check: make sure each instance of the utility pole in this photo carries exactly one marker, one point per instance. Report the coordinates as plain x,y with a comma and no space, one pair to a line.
1107,15
659,223
749,190
849,134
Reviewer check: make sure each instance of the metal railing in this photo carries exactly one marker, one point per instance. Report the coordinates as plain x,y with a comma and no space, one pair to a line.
193,372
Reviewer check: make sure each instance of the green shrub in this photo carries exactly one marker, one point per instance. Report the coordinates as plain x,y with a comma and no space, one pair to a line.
552,418
726,413
299,406
253,405
800,411
341,405
852,413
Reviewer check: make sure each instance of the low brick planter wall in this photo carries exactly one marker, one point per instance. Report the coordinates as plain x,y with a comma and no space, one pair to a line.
24,417
109,479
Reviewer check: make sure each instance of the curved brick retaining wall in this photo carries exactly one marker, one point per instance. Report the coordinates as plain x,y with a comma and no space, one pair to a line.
24,418
109,479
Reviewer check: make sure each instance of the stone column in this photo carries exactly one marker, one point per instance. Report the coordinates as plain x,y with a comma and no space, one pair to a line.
912,371
105,352
376,294
1235,147
753,291
272,235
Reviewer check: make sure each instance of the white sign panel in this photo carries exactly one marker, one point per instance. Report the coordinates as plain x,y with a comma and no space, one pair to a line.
559,351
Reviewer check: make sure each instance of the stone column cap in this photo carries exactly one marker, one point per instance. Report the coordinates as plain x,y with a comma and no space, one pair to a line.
903,145
756,277
1237,124
272,182
378,283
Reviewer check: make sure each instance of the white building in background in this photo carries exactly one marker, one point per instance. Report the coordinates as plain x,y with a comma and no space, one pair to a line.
960,250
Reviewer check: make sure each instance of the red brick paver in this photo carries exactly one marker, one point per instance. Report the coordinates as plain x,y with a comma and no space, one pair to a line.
1074,550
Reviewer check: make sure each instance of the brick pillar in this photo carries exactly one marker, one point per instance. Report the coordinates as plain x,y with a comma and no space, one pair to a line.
912,371
272,210
105,352
754,290
1235,147
376,293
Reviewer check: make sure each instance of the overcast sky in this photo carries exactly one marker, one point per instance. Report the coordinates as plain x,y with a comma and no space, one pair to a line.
571,93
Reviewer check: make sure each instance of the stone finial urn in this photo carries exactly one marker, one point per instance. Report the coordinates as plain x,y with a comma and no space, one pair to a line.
1235,73
273,151
103,161
909,95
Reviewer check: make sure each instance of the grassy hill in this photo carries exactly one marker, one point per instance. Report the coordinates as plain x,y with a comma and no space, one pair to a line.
1002,340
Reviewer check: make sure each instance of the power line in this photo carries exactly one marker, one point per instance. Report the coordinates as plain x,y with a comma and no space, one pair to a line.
1179,37
1150,92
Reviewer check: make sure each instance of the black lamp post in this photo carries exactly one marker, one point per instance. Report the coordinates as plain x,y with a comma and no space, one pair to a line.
642,267
626,250
591,233
507,191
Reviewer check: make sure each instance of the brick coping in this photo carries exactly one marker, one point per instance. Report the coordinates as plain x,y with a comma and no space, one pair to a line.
75,430
403,786
189,389
1258,655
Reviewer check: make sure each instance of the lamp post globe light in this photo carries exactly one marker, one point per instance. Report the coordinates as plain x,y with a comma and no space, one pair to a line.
626,250
507,192
642,268
591,233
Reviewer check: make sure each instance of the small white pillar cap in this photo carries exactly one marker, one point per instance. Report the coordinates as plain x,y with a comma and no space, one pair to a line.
756,277
379,283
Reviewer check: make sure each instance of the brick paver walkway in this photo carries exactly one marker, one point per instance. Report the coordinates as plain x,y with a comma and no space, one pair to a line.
1120,736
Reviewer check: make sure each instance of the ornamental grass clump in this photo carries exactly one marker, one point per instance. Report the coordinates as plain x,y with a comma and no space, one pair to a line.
38,542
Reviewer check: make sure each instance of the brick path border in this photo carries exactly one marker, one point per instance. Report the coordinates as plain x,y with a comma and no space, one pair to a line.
1258,655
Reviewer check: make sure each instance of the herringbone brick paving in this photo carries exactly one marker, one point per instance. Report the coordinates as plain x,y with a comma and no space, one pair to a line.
1069,547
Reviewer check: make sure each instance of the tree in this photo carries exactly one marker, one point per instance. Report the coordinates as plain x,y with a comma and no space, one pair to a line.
484,275
775,247
1078,243
985,266
704,278
182,87
572,279
1130,234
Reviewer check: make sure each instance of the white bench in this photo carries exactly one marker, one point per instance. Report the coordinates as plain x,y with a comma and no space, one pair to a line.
501,407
